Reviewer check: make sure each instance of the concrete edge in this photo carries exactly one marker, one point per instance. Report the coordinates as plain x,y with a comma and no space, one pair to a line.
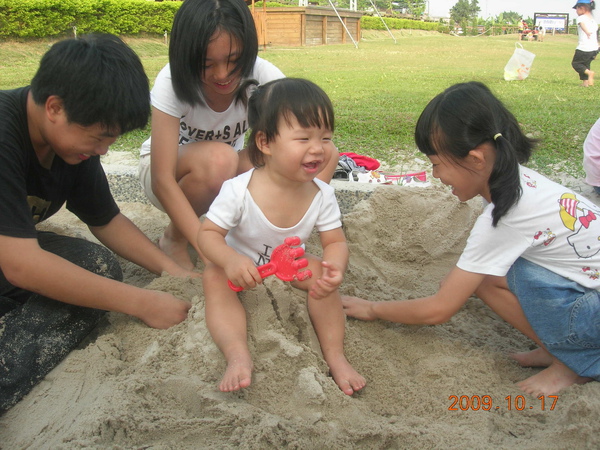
125,187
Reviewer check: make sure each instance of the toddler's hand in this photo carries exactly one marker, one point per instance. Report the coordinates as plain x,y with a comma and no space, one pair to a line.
330,280
242,272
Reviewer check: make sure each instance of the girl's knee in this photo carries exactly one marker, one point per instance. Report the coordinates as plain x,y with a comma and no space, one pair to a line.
209,159
489,285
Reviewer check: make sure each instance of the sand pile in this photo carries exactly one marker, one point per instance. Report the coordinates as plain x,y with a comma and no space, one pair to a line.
130,386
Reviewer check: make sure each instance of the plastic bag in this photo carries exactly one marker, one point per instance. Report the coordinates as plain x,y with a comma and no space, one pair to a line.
519,64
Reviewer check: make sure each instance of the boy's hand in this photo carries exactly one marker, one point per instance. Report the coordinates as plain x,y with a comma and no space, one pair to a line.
163,310
358,308
242,272
330,280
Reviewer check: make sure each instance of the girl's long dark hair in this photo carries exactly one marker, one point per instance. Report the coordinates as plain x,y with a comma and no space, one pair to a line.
465,116
195,24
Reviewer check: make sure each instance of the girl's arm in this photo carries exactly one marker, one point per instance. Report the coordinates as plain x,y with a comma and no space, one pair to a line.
454,292
335,248
240,269
334,264
165,154
585,29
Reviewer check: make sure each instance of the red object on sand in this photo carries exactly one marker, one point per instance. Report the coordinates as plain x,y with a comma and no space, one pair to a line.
283,264
364,161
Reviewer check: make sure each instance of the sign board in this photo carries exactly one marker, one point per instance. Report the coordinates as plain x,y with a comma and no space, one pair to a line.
556,22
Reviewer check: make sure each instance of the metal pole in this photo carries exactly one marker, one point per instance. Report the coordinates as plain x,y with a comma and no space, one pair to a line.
343,24
384,24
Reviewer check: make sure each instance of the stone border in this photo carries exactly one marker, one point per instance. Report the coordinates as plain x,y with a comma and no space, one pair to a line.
125,187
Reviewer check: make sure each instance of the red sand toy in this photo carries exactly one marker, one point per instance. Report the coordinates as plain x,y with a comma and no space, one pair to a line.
283,263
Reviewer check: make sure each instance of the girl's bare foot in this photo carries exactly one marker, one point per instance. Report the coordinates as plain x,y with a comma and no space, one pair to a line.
552,380
177,250
238,374
344,375
536,358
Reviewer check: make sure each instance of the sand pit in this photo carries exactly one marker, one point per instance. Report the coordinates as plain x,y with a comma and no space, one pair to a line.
130,386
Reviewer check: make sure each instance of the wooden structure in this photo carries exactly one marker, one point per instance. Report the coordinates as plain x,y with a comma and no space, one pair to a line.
306,25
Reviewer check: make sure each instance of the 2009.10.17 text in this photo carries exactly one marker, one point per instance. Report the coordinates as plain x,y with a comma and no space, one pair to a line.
509,403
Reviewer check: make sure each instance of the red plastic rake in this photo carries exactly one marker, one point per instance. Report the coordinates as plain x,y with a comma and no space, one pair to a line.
284,263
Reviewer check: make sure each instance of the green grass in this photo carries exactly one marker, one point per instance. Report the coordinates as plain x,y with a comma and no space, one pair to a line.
380,89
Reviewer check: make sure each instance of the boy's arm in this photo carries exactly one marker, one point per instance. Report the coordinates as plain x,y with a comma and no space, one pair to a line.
454,292
26,265
127,240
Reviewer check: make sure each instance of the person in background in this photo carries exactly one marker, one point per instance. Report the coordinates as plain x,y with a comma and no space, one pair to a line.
53,288
591,157
587,47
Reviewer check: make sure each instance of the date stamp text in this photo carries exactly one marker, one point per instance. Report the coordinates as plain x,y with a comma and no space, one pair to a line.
509,403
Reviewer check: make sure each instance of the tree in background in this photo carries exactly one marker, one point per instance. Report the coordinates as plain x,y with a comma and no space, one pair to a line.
508,17
464,11
416,8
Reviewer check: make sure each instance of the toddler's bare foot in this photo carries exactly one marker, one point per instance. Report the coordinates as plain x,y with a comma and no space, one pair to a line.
344,375
238,374
535,358
177,250
552,380
591,78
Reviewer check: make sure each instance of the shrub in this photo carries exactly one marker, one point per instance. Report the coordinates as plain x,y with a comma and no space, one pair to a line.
48,18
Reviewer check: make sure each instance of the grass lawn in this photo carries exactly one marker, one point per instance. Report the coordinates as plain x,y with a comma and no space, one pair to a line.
380,89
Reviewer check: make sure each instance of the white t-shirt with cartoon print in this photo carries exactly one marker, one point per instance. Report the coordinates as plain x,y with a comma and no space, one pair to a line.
201,123
551,226
250,232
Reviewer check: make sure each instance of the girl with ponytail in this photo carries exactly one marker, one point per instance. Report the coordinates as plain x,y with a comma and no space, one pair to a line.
533,255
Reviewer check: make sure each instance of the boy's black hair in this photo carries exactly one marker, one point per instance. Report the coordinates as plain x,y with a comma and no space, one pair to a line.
465,116
99,78
286,98
195,24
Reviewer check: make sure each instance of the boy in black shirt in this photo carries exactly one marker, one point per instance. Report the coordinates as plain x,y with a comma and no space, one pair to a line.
53,288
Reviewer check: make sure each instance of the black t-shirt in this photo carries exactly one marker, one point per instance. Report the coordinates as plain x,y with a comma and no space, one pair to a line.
29,193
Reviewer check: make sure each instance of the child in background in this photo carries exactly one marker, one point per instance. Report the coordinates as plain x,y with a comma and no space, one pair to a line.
292,124
591,157
533,254
587,46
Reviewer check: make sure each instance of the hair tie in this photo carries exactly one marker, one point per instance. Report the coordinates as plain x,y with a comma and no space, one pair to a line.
497,135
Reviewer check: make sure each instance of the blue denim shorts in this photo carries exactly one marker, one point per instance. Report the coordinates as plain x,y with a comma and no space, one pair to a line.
564,315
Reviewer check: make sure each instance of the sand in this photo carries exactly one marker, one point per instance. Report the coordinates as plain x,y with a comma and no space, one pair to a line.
129,386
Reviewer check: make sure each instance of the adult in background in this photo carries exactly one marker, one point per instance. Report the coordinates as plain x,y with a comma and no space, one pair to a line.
54,289
587,47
